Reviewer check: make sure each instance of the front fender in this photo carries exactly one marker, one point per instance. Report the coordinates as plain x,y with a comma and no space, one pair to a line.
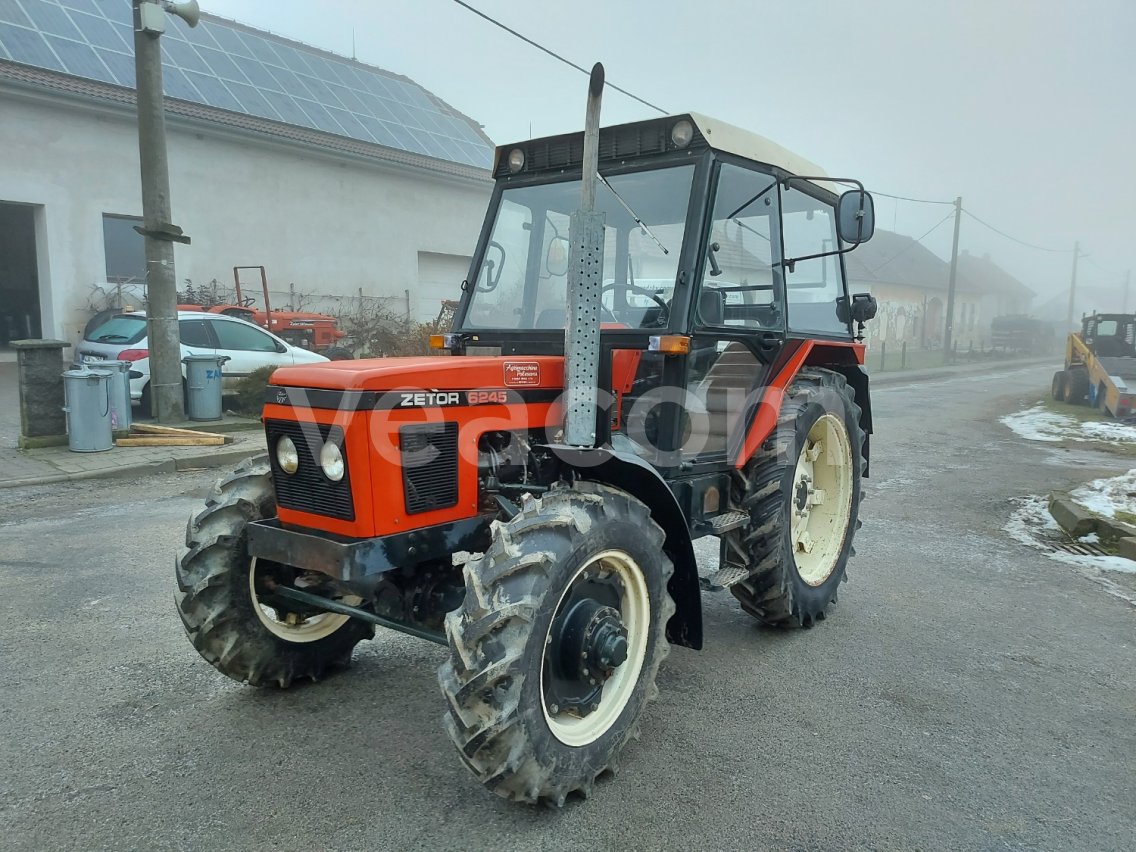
630,473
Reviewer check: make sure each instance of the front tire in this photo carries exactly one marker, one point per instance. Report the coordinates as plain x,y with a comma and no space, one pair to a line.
1057,388
802,492
555,647
220,588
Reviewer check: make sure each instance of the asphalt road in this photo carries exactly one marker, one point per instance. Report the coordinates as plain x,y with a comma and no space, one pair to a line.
966,693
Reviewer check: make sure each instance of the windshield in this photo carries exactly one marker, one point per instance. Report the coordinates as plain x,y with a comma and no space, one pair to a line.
523,279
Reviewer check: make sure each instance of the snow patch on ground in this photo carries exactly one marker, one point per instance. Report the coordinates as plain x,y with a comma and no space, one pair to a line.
1032,525
1040,424
1106,497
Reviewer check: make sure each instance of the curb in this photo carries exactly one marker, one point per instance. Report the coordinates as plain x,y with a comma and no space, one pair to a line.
173,465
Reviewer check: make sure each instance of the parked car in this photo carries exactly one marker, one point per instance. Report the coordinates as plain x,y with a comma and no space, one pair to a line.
247,346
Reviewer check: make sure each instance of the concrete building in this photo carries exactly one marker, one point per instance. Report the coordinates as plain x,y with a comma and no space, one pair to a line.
343,179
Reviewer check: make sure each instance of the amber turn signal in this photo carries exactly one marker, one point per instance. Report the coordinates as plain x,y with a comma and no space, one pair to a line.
669,344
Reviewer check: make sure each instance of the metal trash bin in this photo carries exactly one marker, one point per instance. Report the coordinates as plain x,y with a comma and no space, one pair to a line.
120,414
88,405
203,386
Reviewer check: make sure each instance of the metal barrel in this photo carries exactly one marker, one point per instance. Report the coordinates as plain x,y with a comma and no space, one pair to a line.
88,406
120,414
203,386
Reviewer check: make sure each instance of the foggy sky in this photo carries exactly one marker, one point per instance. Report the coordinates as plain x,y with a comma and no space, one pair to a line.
1025,109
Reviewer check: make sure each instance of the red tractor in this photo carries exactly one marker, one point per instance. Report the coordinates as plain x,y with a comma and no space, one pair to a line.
655,343
318,332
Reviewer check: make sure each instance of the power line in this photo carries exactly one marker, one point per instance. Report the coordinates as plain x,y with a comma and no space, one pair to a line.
555,55
916,200
910,246
1015,239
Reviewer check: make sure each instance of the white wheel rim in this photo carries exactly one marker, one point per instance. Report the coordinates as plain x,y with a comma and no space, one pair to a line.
310,629
635,613
821,500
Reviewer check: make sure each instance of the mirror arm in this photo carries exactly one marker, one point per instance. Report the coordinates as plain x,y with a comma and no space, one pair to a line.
791,262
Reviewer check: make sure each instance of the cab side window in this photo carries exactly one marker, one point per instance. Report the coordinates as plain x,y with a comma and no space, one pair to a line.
237,335
812,286
738,287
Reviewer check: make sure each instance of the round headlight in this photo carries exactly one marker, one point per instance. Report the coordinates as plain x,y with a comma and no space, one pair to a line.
682,133
516,160
286,455
331,461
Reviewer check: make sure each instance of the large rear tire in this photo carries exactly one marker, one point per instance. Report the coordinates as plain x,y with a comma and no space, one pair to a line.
802,492
220,588
543,693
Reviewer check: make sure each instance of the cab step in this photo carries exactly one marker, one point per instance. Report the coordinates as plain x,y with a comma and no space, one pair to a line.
728,521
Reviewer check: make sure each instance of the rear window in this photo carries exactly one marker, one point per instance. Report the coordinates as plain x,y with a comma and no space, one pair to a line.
120,329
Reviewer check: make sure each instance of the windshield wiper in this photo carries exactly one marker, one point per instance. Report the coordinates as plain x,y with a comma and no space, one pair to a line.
107,338
632,213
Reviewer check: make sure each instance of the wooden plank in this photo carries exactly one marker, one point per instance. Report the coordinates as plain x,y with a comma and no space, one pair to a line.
155,429
172,441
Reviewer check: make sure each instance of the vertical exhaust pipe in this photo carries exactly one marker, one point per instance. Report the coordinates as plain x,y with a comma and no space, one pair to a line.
585,280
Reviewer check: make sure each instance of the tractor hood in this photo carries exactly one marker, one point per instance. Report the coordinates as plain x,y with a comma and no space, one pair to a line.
430,373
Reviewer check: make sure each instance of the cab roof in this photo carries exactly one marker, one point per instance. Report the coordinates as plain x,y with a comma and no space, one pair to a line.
653,136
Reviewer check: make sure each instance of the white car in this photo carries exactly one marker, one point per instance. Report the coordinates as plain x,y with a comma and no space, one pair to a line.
123,337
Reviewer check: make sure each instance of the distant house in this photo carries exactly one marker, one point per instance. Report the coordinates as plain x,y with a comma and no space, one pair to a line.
910,283
343,179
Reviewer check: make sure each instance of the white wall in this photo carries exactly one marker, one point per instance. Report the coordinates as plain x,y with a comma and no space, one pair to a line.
326,224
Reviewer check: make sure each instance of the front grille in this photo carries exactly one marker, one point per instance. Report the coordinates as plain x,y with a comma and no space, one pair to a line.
429,466
308,490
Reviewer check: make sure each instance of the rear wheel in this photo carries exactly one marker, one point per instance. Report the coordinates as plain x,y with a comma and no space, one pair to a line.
802,493
225,597
1057,388
556,645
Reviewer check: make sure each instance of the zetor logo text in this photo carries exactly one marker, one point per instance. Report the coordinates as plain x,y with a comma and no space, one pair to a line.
420,400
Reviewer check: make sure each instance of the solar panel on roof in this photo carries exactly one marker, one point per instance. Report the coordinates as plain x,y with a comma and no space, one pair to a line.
253,73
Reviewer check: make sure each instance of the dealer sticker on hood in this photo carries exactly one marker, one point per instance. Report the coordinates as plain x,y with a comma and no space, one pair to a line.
522,374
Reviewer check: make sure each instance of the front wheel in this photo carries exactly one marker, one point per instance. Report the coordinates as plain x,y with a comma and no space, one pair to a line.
801,491
556,645
225,597
1057,388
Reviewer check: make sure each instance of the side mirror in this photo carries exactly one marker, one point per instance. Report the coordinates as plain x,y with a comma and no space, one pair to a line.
855,217
556,258
862,308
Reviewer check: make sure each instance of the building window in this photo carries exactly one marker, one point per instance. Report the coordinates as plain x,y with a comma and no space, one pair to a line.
125,249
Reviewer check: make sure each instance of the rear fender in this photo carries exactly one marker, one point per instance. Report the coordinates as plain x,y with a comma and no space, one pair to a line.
630,473
841,360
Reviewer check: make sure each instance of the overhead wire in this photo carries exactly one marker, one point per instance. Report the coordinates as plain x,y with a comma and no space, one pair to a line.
556,55
911,245
916,200
1015,239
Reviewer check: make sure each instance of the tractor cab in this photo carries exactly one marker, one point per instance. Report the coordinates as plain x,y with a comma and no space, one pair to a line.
719,249
1110,335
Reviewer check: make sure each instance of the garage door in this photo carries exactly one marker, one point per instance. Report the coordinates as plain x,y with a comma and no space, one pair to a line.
439,277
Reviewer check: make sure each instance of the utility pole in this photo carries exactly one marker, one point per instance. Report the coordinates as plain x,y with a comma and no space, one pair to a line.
1072,287
947,333
166,397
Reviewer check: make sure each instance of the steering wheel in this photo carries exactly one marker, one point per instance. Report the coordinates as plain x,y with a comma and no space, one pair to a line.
650,294
248,302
